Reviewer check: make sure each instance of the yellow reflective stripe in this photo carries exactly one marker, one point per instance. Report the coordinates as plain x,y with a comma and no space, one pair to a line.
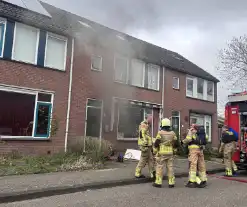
193,147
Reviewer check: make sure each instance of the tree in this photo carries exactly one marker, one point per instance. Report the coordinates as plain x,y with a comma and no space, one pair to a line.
233,59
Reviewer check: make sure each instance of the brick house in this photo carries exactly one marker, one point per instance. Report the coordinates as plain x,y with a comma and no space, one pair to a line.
88,80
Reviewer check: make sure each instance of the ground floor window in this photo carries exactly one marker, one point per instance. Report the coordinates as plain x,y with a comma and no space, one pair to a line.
94,118
25,114
205,120
129,118
176,122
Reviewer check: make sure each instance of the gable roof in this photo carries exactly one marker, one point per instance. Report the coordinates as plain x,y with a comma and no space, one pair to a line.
68,24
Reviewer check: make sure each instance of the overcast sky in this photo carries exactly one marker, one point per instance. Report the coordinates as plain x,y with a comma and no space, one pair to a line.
196,29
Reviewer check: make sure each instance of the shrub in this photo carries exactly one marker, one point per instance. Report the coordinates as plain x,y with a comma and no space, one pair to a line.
95,150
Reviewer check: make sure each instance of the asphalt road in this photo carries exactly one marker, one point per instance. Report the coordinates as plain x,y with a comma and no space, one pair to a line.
219,193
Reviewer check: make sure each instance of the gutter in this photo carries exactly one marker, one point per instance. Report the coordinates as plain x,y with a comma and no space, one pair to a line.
69,95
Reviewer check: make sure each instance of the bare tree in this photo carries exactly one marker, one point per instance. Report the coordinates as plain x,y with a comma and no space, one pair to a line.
233,63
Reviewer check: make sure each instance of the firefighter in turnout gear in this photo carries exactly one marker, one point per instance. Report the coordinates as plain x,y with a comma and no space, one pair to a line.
196,140
164,145
228,147
145,144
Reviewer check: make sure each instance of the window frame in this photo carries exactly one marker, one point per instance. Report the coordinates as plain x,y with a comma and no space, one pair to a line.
131,138
58,37
101,116
195,94
127,70
37,43
192,79
178,85
3,24
35,93
212,91
179,123
143,75
158,81
101,63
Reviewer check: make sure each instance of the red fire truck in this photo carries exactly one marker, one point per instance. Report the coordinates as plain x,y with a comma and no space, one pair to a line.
236,120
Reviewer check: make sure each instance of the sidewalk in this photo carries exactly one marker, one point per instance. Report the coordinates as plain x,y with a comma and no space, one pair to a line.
15,188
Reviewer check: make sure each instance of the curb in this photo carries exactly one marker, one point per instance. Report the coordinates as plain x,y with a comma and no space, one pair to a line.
53,191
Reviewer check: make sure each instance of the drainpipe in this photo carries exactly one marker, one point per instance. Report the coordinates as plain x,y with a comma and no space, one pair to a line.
69,95
163,91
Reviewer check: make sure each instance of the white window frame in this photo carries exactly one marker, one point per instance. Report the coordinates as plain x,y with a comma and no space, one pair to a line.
206,118
193,89
207,92
131,138
101,63
101,116
175,78
179,126
143,75
203,85
127,72
35,93
37,43
195,92
62,38
158,81
4,22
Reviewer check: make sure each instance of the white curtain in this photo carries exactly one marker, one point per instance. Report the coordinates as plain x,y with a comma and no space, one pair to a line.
153,75
137,73
25,43
55,53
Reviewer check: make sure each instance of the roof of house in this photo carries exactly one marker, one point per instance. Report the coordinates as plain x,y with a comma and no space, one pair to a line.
69,24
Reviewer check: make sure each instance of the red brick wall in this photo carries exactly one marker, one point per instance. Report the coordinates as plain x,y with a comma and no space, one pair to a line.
25,75
176,100
101,85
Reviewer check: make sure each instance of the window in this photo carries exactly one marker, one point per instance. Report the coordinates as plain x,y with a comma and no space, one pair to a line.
96,63
129,118
175,82
176,122
25,44
2,35
153,76
121,69
210,91
94,118
200,84
189,87
137,73
199,88
203,120
56,52
25,114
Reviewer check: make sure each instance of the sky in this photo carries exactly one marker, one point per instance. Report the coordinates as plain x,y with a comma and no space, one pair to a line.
196,29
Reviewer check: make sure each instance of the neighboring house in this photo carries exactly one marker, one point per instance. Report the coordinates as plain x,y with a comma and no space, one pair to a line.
92,81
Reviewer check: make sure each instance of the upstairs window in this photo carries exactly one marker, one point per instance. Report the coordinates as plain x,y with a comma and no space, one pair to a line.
189,87
96,63
137,73
2,35
210,91
25,45
121,69
56,52
200,85
175,83
153,76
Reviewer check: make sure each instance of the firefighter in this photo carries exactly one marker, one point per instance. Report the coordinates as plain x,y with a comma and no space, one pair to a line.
196,140
145,144
228,147
164,145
